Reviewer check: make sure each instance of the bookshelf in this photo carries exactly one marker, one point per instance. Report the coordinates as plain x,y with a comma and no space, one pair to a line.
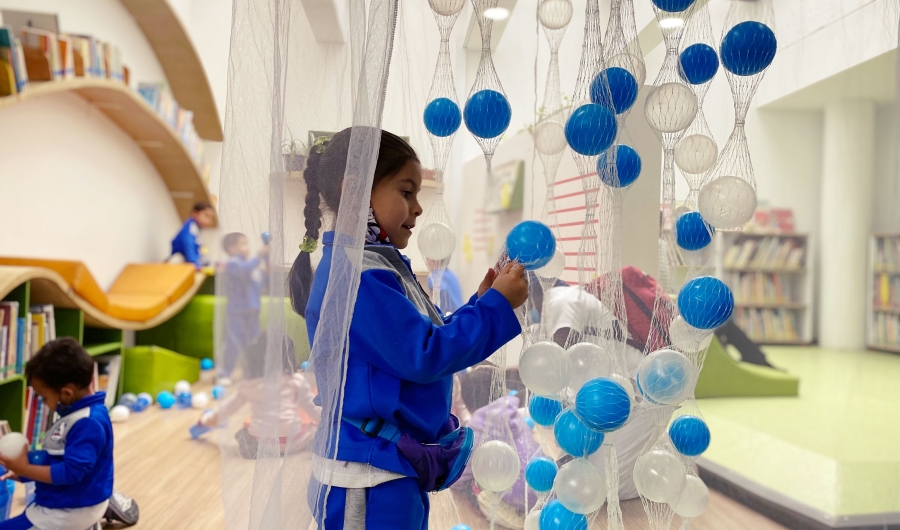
772,284
127,109
883,314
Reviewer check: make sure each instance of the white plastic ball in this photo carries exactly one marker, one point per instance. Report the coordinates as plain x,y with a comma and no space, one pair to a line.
436,241
533,520
12,445
147,396
119,413
182,387
659,475
446,7
587,361
632,63
694,499
555,267
580,487
544,368
199,400
666,377
696,153
555,14
671,107
687,338
549,138
495,465
727,202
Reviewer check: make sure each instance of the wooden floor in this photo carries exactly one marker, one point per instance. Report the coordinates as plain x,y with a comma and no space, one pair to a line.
176,483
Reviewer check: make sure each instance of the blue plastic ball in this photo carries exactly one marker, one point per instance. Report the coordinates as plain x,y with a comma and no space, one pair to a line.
555,516
128,399
184,399
140,405
266,238
530,423
487,113
38,458
627,170
165,399
673,6
574,437
442,117
748,48
690,435
544,410
699,63
304,366
218,392
692,232
602,404
531,243
591,129
705,302
461,527
623,89
206,364
540,474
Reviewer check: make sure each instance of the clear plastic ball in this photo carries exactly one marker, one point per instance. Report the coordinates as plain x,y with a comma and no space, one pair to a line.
200,400
533,520
147,396
446,7
12,445
182,387
555,14
436,241
549,138
544,368
495,465
727,202
694,499
554,268
632,63
696,153
119,413
671,107
687,338
587,361
580,487
666,377
659,475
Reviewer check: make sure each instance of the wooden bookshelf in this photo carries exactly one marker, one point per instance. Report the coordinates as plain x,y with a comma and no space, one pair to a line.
883,314
135,117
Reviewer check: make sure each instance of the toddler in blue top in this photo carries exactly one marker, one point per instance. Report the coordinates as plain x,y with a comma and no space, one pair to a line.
74,483
185,242
402,352
242,281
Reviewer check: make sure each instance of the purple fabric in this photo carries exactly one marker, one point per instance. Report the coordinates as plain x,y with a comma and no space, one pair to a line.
432,462
507,408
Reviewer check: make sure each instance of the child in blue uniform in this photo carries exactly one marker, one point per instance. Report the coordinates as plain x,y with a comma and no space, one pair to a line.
185,243
75,483
242,279
402,353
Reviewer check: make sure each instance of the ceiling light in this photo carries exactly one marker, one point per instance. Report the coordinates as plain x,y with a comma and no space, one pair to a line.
669,23
496,13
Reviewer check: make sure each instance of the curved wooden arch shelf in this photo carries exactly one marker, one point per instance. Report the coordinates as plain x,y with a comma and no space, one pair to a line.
136,118
179,61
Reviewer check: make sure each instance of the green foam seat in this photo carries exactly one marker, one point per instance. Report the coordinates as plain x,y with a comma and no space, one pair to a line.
154,369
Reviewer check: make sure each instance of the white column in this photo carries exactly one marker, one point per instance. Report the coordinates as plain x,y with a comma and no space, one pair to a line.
846,221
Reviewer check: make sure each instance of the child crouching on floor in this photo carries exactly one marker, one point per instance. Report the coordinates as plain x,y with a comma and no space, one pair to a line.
75,483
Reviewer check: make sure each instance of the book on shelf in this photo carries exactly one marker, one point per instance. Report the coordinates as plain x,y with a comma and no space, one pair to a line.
12,53
773,325
106,376
9,349
4,428
767,253
66,57
771,220
887,253
48,44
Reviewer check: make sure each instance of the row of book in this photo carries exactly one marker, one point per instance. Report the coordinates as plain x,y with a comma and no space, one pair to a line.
761,287
887,253
886,330
158,96
766,253
887,291
22,337
768,325
38,418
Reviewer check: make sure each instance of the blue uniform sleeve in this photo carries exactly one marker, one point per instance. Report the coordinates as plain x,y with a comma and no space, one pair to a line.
390,333
471,302
241,266
191,250
84,443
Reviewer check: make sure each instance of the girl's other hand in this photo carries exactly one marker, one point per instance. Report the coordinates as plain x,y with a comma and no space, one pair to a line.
487,282
512,284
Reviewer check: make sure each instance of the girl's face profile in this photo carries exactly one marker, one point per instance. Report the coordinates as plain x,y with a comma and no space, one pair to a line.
396,204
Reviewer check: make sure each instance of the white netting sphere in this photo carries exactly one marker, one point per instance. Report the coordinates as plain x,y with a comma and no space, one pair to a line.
587,361
199,400
555,267
694,499
549,138
580,487
671,107
727,202
632,63
555,14
495,465
659,476
687,338
544,368
119,413
436,241
533,520
12,445
666,377
446,7
696,153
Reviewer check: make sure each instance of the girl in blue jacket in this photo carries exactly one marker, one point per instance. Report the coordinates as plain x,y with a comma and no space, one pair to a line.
402,352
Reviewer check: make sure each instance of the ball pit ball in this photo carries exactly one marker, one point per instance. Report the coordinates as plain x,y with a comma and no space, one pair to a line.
666,377
626,170
696,153
615,87
580,487
540,473
461,527
436,241
699,63
694,498
692,232
531,243
544,410
206,364
748,48
127,399
544,368
555,14
705,302
140,405
442,117
146,395
119,413
554,267
555,516
304,366
446,8
184,399
659,475
673,6
218,392
487,113
687,338
591,129
603,404
182,387
574,437
199,400
495,465
727,202
670,107
165,399
587,361
690,435
12,445
549,138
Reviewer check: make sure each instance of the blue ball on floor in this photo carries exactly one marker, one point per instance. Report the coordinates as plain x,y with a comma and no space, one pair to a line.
206,364
304,366
184,399
141,404
128,399
218,392
165,399
461,527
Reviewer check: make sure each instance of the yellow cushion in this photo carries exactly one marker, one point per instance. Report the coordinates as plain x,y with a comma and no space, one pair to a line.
159,279
73,272
135,307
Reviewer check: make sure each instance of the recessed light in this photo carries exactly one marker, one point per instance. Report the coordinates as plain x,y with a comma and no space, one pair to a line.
669,23
496,13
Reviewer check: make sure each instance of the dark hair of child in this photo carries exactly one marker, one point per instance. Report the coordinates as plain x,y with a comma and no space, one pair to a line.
231,239
254,357
324,175
200,206
61,362
475,386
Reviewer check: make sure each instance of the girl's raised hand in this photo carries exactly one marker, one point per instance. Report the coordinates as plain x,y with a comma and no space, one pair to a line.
512,284
487,282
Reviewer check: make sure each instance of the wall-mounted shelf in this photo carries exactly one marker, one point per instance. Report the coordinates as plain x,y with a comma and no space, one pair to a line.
136,118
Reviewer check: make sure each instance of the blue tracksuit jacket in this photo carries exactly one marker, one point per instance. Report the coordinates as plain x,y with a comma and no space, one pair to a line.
185,242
